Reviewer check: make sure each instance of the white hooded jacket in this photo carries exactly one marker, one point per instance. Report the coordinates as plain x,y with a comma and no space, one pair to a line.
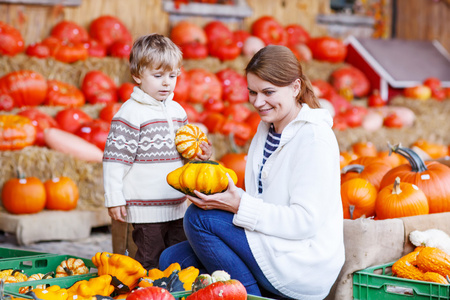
295,227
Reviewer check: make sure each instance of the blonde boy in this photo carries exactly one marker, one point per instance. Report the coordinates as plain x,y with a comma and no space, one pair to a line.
140,151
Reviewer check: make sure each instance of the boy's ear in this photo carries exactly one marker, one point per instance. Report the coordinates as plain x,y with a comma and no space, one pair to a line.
137,79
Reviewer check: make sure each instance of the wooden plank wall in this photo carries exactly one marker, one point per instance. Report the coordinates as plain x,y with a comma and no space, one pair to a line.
424,20
415,19
145,16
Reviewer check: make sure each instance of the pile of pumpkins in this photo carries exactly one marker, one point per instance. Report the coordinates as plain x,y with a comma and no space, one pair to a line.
29,195
122,277
395,183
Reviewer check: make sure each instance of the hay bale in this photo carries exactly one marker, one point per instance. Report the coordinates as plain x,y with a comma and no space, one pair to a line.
45,164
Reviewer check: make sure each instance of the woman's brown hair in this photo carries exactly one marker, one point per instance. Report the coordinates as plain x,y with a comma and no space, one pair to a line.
279,66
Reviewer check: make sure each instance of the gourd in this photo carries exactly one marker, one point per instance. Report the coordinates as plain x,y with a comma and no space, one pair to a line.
13,276
358,198
424,263
73,145
405,267
173,278
23,195
432,177
71,266
230,289
188,139
150,293
401,199
207,177
125,270
85,289
203,280
431,259
53,292
37,276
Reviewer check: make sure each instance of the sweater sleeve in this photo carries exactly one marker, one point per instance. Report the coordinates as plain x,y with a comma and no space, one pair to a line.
118,157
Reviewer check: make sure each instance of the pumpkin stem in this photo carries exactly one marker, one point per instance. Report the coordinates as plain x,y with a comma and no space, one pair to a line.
353,168
351,209
396,189
68,271
417,164
48,275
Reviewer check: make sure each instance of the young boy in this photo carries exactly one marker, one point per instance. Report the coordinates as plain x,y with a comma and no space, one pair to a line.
140,151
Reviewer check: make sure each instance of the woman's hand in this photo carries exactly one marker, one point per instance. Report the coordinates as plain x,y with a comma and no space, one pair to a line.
118,213
228,200
206,152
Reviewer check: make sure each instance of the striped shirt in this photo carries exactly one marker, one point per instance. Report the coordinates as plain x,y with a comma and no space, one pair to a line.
272,142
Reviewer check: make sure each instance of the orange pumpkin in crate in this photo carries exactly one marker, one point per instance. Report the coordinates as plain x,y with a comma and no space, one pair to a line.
62,193
188,139
23,195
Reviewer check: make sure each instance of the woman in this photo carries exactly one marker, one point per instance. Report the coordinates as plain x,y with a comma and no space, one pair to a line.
284,234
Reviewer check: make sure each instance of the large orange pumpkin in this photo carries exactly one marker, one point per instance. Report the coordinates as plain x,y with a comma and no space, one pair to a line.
358,198
27,88
188,139
23,195
366,167
400,199
204,85
432,177
16,132
62,193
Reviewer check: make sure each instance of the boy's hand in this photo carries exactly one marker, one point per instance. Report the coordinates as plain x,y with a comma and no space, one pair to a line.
207,151
118,213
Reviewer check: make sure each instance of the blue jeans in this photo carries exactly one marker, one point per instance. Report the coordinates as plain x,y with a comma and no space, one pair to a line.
214,243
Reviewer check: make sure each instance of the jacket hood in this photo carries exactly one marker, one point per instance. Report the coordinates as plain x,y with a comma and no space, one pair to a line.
144,98
317,115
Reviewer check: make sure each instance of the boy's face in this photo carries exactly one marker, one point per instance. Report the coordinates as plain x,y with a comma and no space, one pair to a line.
158,84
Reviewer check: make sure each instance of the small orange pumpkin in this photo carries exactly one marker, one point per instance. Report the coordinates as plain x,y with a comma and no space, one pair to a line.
346,157
62,193
188,139
364,149
358,198
434,150
23,195
401,199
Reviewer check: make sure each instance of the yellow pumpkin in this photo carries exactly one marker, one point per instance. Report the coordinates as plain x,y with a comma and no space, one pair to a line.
207,177
188,139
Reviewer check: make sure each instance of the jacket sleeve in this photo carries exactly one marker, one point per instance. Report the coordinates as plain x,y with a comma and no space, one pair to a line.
120,152
313,191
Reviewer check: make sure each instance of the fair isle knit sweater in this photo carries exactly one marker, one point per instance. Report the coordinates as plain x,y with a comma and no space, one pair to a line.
140,151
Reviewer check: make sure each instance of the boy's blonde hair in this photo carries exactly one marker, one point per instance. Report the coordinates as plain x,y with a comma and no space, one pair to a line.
155,51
